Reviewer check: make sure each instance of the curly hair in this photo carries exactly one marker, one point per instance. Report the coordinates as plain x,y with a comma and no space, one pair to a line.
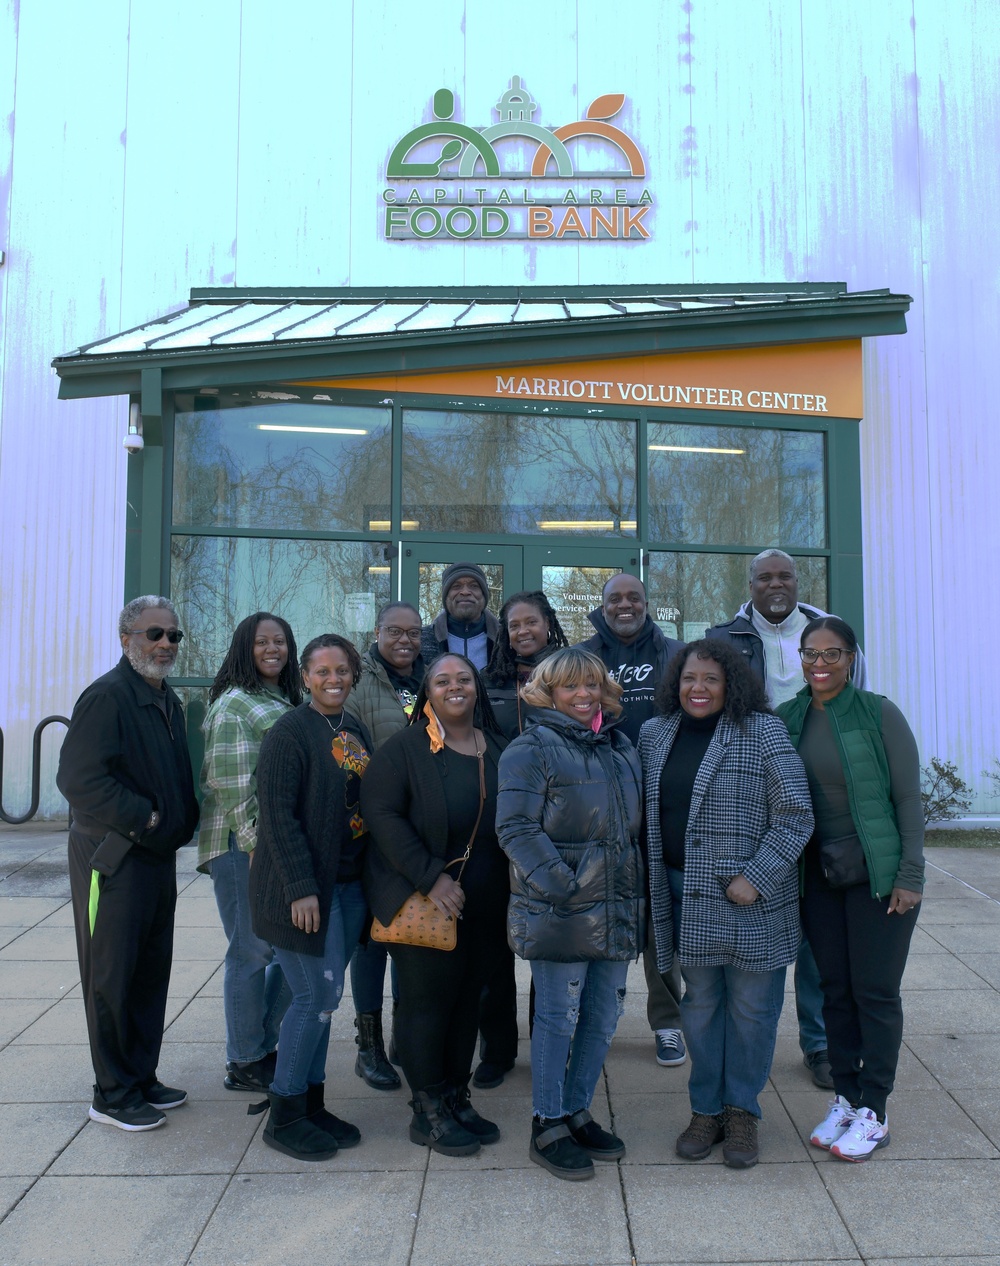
239,668
744,693
340,643
568,667
484,716
503,663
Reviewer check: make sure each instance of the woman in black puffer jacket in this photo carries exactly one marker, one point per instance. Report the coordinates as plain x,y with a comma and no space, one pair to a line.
568,817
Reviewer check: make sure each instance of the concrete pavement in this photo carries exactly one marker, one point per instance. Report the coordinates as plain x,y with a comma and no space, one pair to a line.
204,1190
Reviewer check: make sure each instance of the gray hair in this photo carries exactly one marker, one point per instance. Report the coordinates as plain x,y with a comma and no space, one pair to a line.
772,553
132,610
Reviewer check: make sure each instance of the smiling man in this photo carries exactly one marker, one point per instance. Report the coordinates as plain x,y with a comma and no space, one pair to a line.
767,630
465,625
125,770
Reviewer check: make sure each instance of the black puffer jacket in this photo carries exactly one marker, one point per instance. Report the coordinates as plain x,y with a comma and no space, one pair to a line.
568,817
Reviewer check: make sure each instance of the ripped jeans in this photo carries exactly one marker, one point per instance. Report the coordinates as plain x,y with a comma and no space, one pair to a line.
577,1009
317,983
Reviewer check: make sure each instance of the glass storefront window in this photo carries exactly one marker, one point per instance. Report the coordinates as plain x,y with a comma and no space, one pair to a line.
719,485
574,592
689,593
244,460
317,586
507,473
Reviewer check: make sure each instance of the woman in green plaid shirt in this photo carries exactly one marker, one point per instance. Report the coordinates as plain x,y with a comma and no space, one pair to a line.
257,683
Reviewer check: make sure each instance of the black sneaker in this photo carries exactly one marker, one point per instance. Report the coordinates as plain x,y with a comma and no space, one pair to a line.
256,1076
135,1114
489,1075
164,1097
818,1063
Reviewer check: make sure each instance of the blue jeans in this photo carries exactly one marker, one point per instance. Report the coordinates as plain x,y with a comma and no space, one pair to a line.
368,977
809,1001
317,983
577,1009
730,1019
254,991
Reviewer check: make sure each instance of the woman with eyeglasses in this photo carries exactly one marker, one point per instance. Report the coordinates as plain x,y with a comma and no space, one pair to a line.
863,877
257,683
391,673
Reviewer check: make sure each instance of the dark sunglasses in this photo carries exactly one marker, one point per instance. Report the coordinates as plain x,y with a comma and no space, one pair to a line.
155,633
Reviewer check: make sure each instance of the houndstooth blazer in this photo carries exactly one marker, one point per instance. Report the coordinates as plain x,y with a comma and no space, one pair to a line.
750,815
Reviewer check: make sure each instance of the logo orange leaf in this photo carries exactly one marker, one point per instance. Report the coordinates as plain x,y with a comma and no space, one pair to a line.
607,106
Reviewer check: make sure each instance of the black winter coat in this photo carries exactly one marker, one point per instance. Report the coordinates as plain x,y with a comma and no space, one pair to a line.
122,758
568,817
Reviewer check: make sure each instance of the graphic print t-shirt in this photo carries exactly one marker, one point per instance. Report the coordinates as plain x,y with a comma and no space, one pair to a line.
348,749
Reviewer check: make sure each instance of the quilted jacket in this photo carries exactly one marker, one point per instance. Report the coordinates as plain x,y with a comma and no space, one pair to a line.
750,815
568,817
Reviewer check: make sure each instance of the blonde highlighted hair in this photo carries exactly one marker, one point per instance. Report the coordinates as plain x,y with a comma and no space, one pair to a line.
569,667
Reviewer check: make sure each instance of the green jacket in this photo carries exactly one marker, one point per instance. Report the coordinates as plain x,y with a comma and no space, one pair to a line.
856,720
375,703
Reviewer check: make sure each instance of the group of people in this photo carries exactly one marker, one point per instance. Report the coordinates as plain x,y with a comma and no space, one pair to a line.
723,809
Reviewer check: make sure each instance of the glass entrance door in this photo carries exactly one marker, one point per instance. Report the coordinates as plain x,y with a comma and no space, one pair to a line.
572,578
422,566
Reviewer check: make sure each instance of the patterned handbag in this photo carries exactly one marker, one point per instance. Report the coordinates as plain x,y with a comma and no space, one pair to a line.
418,921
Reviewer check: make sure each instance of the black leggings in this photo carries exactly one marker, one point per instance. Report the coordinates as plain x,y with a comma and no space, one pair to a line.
437,1019
861,953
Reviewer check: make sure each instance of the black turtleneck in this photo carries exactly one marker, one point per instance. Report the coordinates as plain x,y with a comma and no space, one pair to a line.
680,769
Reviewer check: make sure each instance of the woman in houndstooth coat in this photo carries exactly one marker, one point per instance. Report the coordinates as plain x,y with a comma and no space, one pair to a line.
727,815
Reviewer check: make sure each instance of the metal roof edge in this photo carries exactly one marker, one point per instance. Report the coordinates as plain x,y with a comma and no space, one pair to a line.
319,294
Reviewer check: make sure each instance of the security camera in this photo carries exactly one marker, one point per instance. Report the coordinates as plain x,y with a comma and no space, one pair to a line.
133,442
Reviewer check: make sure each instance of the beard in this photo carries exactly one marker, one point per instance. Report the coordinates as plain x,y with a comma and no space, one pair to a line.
145,664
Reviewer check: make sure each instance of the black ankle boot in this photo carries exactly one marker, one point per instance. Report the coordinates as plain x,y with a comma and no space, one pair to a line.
554,1148
465,1114
372,1066
433,1125
344,1134
289,1129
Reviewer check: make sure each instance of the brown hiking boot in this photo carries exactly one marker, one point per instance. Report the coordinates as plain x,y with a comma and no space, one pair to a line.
739,1150
700,1137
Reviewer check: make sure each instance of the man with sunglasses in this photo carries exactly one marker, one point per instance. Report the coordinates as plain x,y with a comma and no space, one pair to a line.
766,630
126,772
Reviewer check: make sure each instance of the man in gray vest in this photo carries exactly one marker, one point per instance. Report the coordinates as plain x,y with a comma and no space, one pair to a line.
767,631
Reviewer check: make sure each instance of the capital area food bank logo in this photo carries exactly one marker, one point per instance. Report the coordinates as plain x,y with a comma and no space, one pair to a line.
452,182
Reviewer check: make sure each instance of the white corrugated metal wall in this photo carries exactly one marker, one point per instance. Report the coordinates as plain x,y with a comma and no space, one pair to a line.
152,148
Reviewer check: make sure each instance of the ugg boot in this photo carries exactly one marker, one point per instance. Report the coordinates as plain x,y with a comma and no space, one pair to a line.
433,1125
289,1129
344,1134
464,1113
372,1066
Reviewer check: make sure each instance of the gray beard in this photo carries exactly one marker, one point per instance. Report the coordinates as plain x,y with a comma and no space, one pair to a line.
143,663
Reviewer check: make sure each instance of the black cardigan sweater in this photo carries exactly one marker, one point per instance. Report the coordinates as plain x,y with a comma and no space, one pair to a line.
302,824
404,804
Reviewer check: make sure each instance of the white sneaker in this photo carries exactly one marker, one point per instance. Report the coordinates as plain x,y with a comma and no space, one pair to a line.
834,1124
865,1134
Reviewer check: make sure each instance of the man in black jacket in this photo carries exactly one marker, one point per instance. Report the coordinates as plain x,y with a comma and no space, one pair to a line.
636,652
465,624
125,770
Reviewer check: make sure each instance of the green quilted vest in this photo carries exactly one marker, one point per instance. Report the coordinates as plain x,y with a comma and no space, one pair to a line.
856,720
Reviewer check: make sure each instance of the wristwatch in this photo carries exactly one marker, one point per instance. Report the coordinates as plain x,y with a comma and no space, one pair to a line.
154,819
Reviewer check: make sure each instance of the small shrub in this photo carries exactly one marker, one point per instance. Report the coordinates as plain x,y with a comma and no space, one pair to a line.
993,774
944,794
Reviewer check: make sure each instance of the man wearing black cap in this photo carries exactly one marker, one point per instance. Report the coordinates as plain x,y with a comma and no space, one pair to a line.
464,626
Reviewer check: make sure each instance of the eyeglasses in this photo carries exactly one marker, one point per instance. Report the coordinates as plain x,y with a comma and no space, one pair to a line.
829,656
391,631
155,633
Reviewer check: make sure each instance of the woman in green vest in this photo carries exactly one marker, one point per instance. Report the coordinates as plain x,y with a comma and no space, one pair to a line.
862,877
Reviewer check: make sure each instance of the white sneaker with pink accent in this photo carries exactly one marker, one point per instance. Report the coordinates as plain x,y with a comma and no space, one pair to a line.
834,1124
865,1135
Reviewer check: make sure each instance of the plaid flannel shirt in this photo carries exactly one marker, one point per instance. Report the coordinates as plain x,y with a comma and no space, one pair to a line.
234,729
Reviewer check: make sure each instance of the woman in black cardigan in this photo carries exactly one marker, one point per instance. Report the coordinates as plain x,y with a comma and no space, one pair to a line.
430,789
305,886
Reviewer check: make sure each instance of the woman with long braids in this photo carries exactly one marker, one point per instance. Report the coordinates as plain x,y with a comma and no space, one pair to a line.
257,683
529,632
305,886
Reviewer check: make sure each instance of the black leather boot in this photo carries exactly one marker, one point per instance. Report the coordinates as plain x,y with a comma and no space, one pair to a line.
466,1115
371,1064
433,1125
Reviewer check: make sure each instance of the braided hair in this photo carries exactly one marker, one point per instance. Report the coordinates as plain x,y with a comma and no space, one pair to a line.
503,663
239,668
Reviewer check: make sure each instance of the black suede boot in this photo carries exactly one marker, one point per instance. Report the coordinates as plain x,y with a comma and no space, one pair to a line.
344,1134
554,1148
371,1065
433,1125
465,1114
289,1129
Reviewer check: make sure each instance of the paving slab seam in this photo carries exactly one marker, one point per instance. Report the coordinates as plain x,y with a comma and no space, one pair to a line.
621,1176
4,1045
222,1193
978,891
420,1204
38,1177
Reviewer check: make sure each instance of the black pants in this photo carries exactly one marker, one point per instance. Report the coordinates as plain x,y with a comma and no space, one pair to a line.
124,940
498,1010
437,1019
861,953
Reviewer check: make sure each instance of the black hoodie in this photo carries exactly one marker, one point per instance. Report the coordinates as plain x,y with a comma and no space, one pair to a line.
637,666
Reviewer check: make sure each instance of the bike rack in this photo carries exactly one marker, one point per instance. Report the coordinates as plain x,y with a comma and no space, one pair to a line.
36,771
